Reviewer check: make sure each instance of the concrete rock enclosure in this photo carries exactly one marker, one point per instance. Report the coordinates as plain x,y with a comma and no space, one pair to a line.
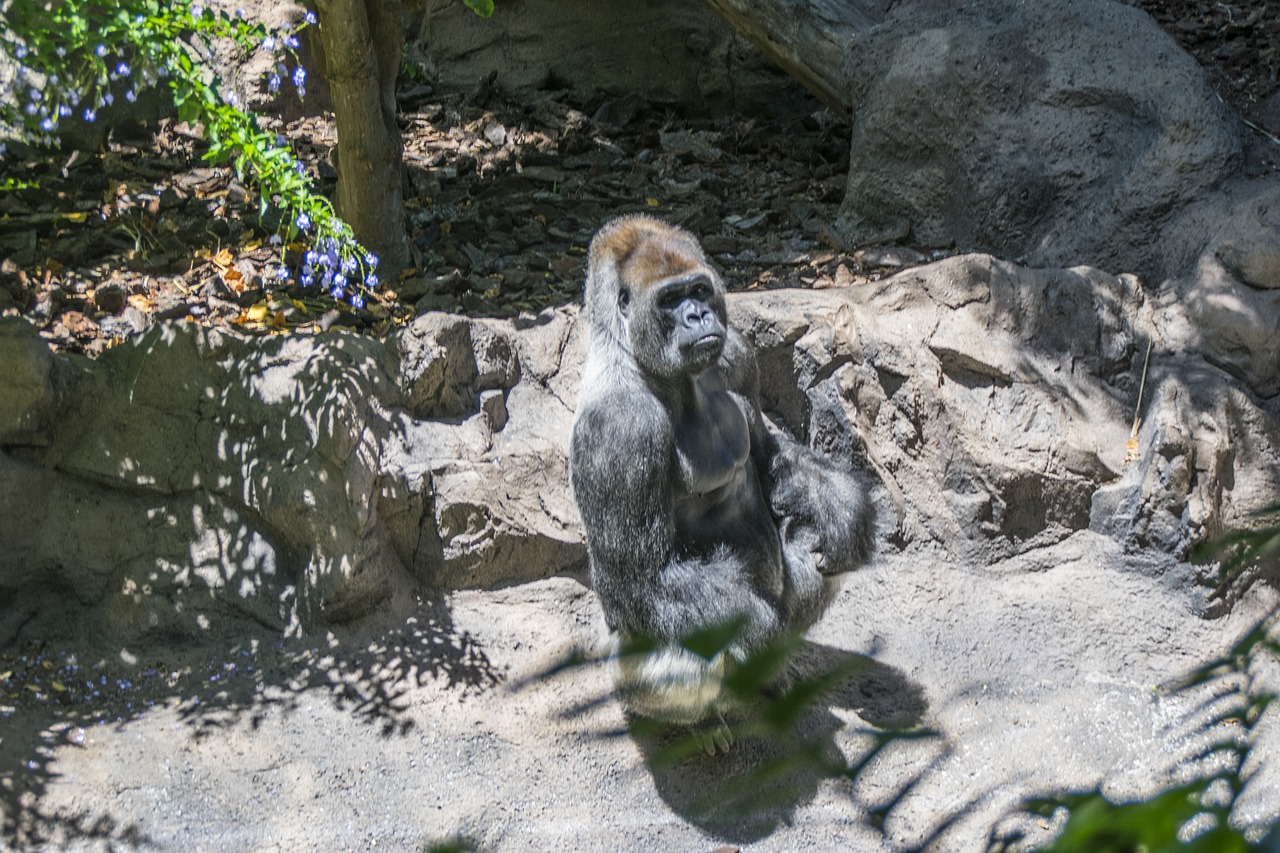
191,481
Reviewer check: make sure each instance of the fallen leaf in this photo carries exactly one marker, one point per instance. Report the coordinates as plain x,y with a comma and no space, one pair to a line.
257,313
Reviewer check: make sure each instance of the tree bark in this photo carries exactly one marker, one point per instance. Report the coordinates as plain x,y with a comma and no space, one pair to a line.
805,37
362,40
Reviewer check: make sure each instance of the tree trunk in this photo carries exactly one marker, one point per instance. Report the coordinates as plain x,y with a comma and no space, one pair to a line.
805,37
362,40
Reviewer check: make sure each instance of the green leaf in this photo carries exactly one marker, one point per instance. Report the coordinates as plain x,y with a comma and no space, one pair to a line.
483,8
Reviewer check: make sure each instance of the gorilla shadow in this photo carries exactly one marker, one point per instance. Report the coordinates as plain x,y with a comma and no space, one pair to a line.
744,795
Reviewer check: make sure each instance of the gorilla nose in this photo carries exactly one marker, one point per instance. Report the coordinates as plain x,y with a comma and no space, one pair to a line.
696,314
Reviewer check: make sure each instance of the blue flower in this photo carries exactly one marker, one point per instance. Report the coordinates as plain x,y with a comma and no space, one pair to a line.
357,301
336,293
307,280
371,280
122,69
275,240
291,42
269,43
371,259
282,273
340,280
20,51
101,50
303,221
89,114
299,76
130,96
108,99
311,17
348,264
47,124
310,257
64,110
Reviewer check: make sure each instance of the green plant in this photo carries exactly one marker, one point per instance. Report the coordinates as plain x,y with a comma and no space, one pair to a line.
73,56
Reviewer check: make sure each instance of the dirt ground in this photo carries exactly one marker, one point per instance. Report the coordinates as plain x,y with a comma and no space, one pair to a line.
1046,673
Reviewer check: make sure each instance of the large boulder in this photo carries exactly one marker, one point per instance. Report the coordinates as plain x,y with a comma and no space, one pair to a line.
1056,131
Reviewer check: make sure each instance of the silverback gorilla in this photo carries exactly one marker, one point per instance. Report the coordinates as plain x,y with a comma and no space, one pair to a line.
696,513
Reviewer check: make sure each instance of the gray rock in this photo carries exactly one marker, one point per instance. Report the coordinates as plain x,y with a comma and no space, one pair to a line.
201,480
1055,131
25,381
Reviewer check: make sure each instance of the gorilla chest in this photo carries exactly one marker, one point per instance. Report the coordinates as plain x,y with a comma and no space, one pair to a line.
713,443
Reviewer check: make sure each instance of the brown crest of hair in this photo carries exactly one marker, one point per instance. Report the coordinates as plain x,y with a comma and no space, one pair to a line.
648,250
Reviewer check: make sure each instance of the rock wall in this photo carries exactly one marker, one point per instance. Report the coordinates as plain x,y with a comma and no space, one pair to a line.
191,481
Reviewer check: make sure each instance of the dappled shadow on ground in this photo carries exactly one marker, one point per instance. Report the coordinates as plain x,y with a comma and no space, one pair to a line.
53,698
785,747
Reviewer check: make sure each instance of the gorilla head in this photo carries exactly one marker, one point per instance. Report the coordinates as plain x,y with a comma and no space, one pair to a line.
651,288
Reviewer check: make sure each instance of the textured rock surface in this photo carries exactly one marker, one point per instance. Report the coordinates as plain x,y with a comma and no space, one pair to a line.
664,49
1056,131
304,482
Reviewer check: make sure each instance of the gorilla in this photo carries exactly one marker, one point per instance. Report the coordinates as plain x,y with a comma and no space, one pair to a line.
697,514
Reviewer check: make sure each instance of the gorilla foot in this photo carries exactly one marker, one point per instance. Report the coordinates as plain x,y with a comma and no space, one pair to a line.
712,736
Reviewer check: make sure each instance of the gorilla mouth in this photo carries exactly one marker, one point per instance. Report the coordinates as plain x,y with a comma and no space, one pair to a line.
710,339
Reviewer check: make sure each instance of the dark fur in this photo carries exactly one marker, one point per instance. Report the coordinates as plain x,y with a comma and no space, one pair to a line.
696,513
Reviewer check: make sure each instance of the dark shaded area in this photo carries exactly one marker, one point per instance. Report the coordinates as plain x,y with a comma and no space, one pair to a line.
784,746
1238,43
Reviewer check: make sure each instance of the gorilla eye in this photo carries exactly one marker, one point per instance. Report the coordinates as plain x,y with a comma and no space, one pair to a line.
624,298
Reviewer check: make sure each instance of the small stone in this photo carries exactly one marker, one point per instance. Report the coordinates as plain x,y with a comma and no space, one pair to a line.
110,299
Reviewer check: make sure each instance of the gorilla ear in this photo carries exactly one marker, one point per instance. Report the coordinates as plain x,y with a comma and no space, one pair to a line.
624,299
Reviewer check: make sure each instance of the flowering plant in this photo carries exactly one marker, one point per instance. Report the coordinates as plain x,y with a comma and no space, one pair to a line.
72,57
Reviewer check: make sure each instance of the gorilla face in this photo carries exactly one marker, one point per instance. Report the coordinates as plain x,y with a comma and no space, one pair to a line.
676,326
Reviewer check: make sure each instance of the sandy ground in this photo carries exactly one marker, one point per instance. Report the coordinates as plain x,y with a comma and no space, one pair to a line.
1045,673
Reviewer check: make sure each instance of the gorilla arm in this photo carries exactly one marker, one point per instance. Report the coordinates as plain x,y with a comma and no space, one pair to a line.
819,504
623,482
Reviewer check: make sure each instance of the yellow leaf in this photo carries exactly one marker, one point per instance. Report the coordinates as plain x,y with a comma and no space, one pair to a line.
257,313
5,676
251,245
75,216
58,686
652,202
